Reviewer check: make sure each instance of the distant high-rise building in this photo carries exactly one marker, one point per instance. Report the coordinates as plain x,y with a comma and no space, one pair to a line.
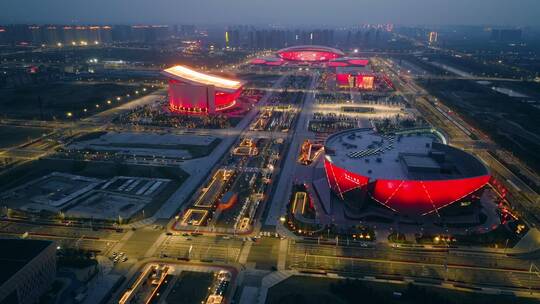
506,35
121,33
433,38
148,33
187,30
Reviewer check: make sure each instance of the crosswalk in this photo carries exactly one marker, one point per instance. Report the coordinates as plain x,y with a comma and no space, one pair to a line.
200,249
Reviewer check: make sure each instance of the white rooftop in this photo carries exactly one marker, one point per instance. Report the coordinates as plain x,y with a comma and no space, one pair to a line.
376,156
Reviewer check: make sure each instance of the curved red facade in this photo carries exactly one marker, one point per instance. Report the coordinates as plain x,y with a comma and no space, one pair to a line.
309,53
413,197
200,99
199,93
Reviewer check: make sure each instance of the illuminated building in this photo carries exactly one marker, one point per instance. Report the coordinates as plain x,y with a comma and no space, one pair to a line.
411,172
309,53
433,37
360,77
198,93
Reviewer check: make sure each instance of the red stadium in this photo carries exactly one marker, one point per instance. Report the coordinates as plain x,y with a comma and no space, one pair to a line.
309,53
198,93
411,172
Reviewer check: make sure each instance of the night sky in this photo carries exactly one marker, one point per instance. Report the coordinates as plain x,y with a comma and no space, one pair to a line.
284,12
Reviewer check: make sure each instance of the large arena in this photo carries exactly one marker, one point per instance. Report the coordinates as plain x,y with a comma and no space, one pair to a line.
309,53
194,92
411,172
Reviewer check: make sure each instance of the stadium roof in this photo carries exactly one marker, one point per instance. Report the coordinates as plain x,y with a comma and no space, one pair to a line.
185,74
312,48
411,156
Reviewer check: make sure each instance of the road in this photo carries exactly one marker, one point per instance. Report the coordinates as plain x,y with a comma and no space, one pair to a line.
478,269
299,134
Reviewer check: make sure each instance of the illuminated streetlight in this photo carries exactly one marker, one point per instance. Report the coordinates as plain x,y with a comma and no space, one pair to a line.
69,114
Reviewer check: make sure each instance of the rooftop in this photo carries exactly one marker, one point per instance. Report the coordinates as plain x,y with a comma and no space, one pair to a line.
183,73
16,253
404,156
312,48
348,61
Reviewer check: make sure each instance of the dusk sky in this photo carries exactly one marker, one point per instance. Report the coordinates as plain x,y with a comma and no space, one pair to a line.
287,12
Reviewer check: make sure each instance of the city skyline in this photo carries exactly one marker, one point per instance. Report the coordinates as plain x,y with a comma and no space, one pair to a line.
280,12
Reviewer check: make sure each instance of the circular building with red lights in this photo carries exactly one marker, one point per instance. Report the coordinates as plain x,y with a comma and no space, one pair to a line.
412,172
194,92
309,53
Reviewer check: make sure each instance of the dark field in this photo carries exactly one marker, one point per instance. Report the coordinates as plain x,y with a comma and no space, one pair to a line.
191,287
11,136
513,124
54,101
